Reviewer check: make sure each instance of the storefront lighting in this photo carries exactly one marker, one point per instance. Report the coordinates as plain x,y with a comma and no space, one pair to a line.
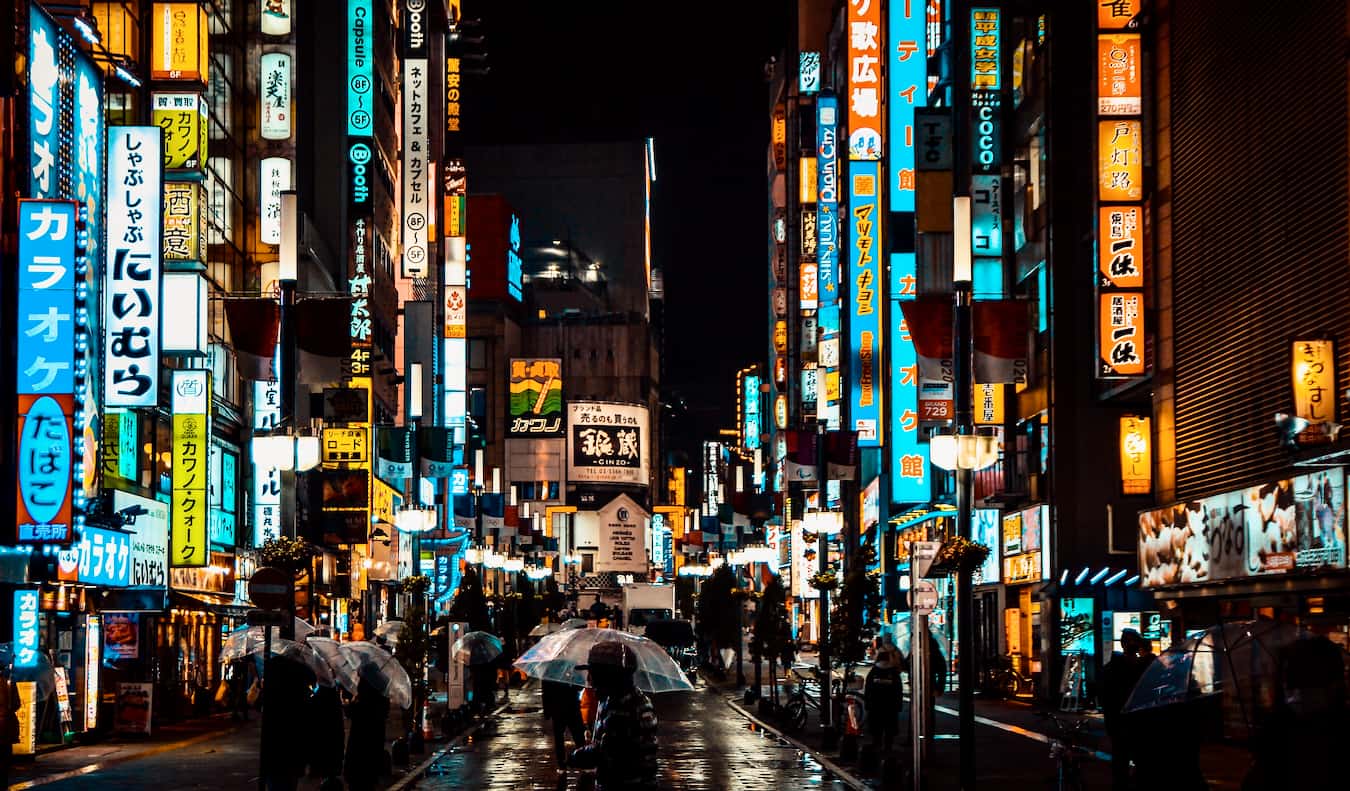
1096,578
284,452
963,451
514,565
366,563
126,76
1064,577
473,555
1114,578
538,572
759,553
1132,580
827,523
736,558
416,520
1082,575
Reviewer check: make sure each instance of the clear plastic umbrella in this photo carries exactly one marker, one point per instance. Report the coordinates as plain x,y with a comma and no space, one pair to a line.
249,640
307,656
391,631
41,673
381,669
556,656
344,667
480,647
551,627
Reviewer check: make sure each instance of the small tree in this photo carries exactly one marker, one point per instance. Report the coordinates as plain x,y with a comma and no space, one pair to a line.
772,631
853,619
470,605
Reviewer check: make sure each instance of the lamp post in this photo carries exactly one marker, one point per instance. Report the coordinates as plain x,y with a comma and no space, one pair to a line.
823,565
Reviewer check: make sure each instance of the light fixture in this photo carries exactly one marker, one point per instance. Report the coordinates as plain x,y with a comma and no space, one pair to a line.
736,558
285,452
538,572
126,76
513,564
963,451
1096,578
1082,575
759,553
1114,578
961,267
1133,579
492,560
1064,577
473,555
86,30
827,523
415,520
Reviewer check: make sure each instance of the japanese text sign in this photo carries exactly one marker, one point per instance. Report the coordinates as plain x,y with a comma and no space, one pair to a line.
345,446
1120,161
45,468
178,43
416,145
1314,379
182,116
274,96
45,104
864,291
865,95
27,641
1136,461
1118,83
608,443
1121,342
827,194
184,219
132,268
1117,14
807,285
360,68
985,57
536,398
808,72
1121,246
909,457
275,176
191,448
907,85
750,413
47,317
452,95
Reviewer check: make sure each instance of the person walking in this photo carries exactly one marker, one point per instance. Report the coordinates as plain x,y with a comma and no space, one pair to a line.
1299,745
1118,681
623,746
369,712
242,675
563,710
285,699
326,734
882,696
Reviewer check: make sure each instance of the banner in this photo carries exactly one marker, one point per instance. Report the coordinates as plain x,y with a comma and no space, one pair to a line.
865,303
866,98
841,455
393,452
929,319
801,456
1002,330
608,443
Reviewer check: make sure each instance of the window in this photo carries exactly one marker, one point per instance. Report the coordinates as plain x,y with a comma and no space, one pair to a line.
218,106
477,354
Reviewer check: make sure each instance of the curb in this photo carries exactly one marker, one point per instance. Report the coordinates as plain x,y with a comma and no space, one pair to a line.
847,777
416,773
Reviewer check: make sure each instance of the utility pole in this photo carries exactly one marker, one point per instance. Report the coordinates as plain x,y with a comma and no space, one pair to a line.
823,564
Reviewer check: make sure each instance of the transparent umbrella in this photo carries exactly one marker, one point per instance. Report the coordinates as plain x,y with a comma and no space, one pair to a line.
392,631
551,627
556,656
307,656
249,640
381,669
480,647
343,666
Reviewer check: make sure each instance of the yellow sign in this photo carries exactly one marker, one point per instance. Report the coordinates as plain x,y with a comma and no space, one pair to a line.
988,403
677,485
345,446
1136,458
184,218
1314,372
179,37
452,94
807,179
182,116
1120,160
832,385
385,501
27,718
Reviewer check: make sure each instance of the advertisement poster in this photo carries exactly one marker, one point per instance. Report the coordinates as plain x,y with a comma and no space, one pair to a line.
987,531
122,635
623,541
27,717
133,707
1290,525
536,402
608,443
1077,626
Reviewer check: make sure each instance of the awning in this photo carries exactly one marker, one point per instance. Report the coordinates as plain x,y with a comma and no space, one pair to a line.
208,603
133,600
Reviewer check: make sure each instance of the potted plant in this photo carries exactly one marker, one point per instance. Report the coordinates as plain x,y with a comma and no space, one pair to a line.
958,553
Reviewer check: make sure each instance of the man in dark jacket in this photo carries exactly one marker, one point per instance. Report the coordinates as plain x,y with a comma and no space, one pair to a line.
623,746
286,692
882,694
563,708
1118,681
369,712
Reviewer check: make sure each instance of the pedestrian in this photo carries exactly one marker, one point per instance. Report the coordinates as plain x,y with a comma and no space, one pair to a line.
369,712
1119,678
563,710
937,665
598,609
285,703
882,695
1300,744
483,677
9,723
326,734
242,675
623,746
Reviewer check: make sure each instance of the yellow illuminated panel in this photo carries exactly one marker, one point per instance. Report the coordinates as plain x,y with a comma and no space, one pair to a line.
179,42
1136,458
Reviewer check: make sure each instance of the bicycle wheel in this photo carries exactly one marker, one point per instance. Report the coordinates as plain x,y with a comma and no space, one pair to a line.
795,714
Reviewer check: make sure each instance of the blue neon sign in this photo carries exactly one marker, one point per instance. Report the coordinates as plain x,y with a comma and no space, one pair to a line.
865,303
907,80
808,72
514,266
360,72
827,199
750,398
46,342
910,482
44,106
26,643
104,557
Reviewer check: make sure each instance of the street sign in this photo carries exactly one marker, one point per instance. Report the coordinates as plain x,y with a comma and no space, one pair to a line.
266,617
921,554
270,588
923,597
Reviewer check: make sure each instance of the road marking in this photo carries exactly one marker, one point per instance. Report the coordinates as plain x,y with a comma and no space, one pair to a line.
111,762
1020,731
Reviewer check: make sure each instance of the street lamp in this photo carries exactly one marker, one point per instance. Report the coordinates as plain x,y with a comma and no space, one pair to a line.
286,452
963,451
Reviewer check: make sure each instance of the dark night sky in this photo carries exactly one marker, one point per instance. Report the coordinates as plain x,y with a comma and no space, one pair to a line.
692,77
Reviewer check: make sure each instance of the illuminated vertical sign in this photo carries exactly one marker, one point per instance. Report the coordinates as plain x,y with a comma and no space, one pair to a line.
808,72
906,81
27,637
453,93
1121,338
275,176
360,68
1121,249
182,116
132,268
866,98
178,42
275,18
865,302
750,429
827,199
456,297
191,407
184,219
1136,461
274,96
93,644
416,141
986,83
44,106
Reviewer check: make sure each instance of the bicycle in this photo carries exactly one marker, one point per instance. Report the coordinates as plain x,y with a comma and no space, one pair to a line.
803,695
1008,680
1068,753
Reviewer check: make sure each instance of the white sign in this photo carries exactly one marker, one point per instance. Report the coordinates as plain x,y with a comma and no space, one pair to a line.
149,538
276,179
276,17
132,267
623,537
805,564
266,504
274,95
923,597
266,405
607,443
415,185
921,556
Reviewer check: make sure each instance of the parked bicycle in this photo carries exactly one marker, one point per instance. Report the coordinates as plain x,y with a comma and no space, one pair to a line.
803,695
1068,752
1009,681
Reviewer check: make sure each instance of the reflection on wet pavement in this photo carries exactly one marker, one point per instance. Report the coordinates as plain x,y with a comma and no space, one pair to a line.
704,745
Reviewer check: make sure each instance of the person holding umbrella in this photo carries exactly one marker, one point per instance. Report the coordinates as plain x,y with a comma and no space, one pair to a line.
624,745
369,711
563,710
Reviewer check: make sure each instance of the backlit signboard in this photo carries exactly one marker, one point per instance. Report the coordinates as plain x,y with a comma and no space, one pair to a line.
44,105
275,18
132,268
1281,527
178,42
149,540
866,98
1120,160
1121,253
607,443
1118,14
274,96
865,303
45,468
750,413
182,116
27,637
986,216
986,531
360,68
275,175
184,219
907,83
984,50
1118,80
827,195
536,398
416,146
191,446
1121,339
1136,460
808,72
910,481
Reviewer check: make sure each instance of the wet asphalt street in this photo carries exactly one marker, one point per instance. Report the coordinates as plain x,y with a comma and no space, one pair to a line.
705,745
